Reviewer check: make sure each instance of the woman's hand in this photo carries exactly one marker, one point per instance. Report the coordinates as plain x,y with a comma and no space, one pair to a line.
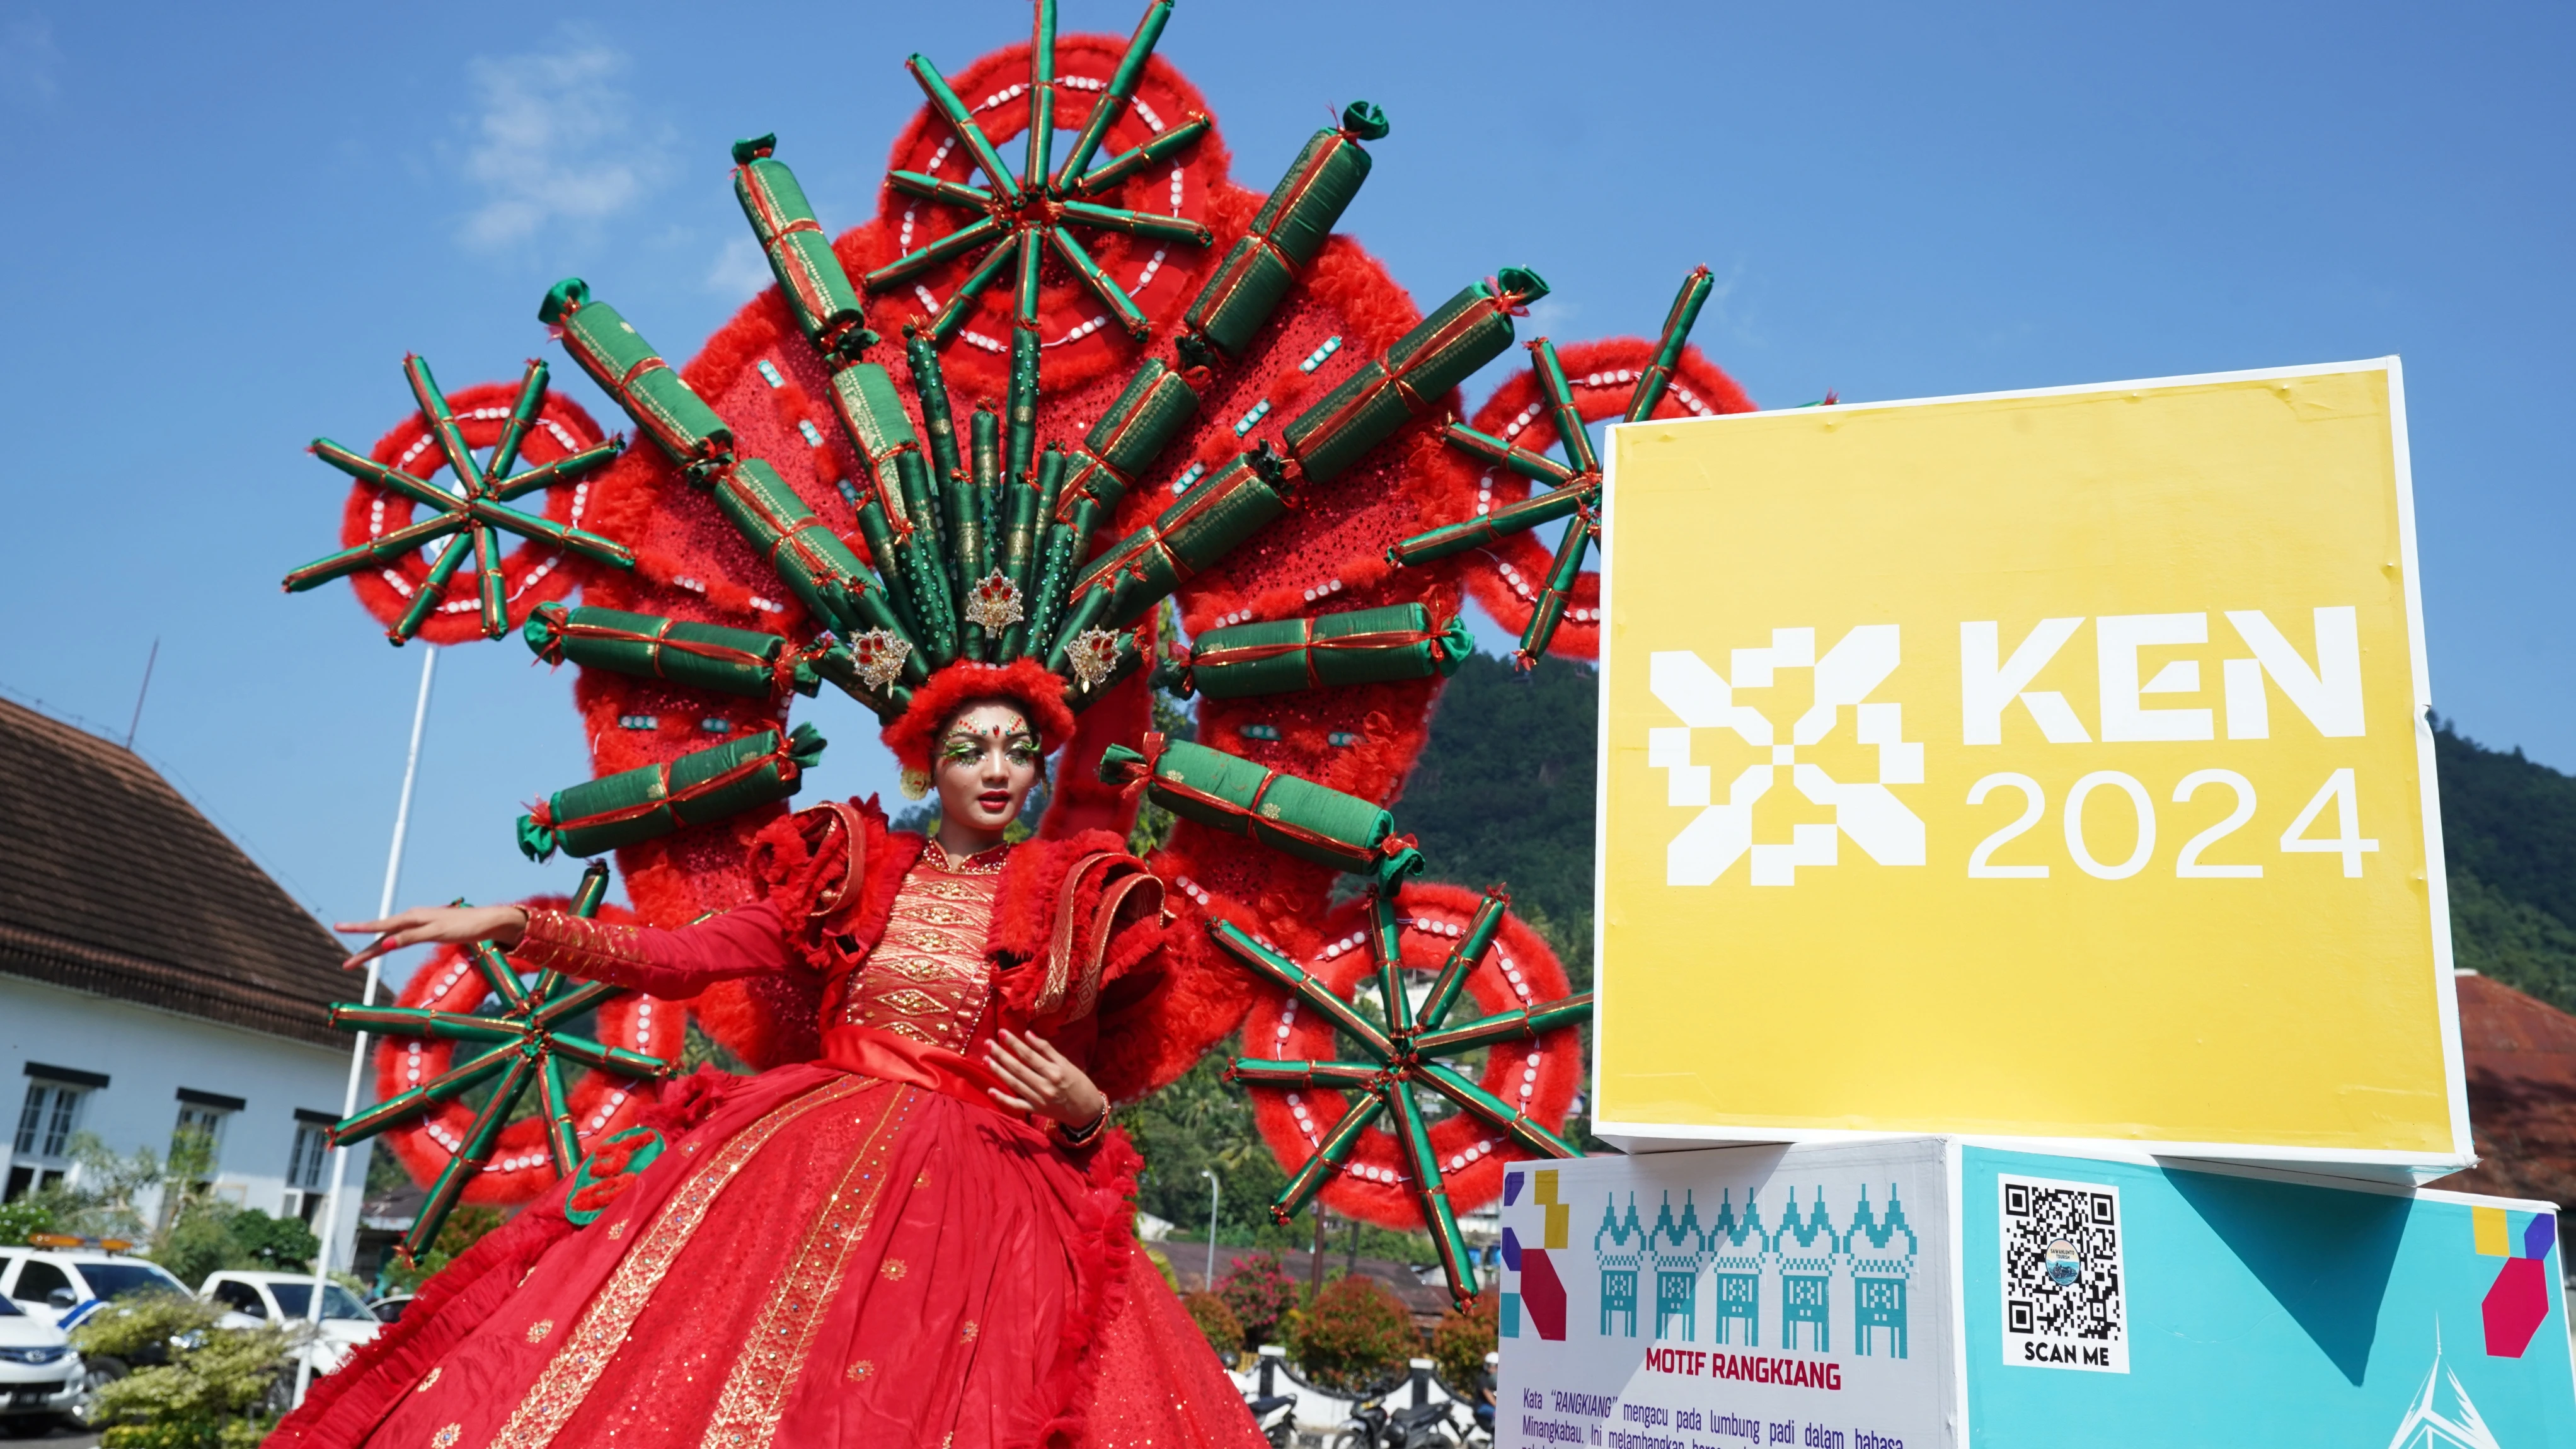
1048,1084
440,925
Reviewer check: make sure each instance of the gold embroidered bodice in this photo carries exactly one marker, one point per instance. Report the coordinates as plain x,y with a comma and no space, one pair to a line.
928,978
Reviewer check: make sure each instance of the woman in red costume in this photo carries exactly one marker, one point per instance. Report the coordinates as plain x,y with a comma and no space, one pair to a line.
922,1239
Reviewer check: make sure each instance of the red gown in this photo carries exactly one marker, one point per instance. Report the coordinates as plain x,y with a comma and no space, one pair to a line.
859,1250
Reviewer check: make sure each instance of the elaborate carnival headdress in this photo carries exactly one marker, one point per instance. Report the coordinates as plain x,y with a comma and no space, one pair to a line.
1173,389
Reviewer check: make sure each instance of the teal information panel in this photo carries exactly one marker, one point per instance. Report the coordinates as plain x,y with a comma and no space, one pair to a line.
2114,1303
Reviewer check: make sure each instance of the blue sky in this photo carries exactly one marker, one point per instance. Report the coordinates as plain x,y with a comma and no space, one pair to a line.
232,222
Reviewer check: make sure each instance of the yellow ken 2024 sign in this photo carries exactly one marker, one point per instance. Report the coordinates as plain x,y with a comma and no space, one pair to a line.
2048,765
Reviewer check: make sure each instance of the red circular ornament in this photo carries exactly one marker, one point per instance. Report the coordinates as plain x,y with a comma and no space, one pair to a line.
1507,578
531,573
520,1167
1539,1077
1078,338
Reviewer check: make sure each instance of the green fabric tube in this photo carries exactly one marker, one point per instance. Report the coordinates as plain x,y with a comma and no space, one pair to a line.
1548,610
1330,651
967,523
1230,793
1017,542
925,570
1150,411
787,534
810,276
1491,528
1470,330
1054,581
1201,527
1016,524
1291,227
1668,346
1082,614
938,425
625,366
1020,404
872,416
701,656
878,534
656,800
810,559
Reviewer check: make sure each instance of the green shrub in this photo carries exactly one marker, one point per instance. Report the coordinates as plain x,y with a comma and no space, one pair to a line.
26,1216
217,1390
276,1244
1224,1331
1355,1336
1460,1341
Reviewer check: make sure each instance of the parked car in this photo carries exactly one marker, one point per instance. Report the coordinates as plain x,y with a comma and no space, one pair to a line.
63,1286
59,1287
40,1376
252,1300
389,1309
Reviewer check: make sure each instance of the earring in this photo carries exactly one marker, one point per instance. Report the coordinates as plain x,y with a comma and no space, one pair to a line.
915,784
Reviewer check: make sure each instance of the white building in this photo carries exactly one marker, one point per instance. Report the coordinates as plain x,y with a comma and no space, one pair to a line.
152,980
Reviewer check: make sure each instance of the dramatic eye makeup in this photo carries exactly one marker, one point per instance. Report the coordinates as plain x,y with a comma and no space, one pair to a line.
1018,744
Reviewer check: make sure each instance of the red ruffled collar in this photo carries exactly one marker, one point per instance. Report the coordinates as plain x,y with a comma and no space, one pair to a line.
982,862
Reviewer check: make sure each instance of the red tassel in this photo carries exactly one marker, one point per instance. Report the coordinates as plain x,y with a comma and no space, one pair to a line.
1290,385
1217,448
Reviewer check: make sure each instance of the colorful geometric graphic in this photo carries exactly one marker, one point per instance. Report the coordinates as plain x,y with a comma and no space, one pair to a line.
2518,1301
1543,1294
1531,1290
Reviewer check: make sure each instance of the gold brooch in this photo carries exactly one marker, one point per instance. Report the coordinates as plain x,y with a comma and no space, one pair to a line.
879,655
1092,656
994,603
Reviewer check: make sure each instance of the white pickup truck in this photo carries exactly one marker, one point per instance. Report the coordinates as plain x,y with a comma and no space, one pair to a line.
253,1300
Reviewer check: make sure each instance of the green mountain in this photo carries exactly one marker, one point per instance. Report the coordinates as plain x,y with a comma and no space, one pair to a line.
1503,794
2509,832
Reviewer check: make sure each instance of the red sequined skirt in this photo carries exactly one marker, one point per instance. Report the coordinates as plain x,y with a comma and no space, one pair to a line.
829,1259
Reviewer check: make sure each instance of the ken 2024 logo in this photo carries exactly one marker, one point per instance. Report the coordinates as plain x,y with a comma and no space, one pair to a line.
2325,691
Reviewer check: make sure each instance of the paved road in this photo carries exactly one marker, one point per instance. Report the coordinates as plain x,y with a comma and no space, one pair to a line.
62,1438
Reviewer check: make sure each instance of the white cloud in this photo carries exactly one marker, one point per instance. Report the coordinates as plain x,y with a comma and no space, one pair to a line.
1552,314
554,138
741,270
28,58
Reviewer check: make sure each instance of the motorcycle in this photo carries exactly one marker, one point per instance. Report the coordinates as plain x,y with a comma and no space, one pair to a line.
1425,1426
1276,1416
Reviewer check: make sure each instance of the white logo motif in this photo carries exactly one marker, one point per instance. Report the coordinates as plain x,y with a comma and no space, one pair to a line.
1719,835
2429,1424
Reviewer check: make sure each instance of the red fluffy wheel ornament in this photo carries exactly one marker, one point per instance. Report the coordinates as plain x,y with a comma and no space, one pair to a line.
521,1165
1538,1077
1507,576
926,200
531,573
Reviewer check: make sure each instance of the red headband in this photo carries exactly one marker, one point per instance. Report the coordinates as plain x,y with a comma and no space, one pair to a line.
1024,682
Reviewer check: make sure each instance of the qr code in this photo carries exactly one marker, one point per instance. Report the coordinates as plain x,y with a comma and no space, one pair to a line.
2064,1290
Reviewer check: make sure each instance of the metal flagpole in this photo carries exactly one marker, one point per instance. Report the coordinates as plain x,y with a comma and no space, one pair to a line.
1210,1284
358,1053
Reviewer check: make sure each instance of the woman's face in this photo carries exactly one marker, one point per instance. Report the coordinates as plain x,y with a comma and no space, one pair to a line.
988,762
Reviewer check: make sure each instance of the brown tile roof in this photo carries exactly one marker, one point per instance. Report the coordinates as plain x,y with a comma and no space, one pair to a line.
111,883
2521,1058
